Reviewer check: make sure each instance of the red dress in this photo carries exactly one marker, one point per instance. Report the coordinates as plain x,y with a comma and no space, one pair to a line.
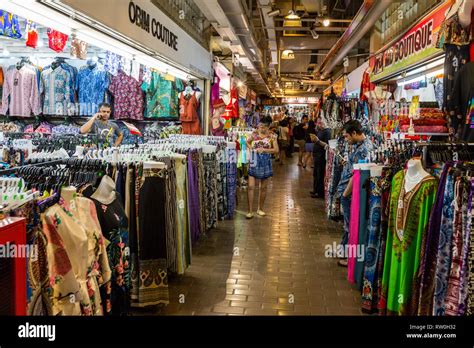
188,114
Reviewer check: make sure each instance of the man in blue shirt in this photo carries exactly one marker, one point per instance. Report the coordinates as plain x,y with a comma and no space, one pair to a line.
361,147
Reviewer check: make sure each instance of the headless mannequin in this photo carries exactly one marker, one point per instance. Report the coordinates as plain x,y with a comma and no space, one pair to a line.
415,173
105,193
188,91
68,194
464,12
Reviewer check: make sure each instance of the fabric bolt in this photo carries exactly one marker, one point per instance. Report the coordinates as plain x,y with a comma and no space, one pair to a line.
231,184
128,97
373,250
408,219
210,173
454,278
56,40
21,87
428,262
56,91
194,208
386,185
364,183
152,252
183,240
92,83
466,252
444,252
470,281
9,25
354,225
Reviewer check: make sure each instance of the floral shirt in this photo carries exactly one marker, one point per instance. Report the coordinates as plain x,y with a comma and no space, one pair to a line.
360,151
128,97
56,40
92,84
259,142
162,97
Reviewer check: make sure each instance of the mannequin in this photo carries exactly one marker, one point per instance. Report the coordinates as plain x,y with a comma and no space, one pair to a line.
377,99
415,173
188,109
68,194
105,193
464,12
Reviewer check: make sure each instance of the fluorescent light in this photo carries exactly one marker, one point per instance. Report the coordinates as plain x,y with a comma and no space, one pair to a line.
421,78
273,13
287,54
326,22
5,52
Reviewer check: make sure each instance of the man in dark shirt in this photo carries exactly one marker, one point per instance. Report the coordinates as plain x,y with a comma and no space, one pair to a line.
323,134
299,133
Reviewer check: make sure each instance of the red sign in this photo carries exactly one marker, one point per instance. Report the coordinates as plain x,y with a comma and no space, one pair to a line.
417,45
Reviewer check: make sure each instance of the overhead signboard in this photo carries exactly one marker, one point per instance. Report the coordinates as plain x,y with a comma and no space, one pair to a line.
417,45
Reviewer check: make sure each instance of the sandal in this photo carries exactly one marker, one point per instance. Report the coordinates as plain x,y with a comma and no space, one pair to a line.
249,215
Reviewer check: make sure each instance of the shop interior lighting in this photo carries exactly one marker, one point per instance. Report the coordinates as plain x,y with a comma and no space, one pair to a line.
292,20
5,51
326,22
287,54
421,78
433,64
273,13
39,13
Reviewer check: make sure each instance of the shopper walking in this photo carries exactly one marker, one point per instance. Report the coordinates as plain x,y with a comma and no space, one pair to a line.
283,140
291,144
310,137
262,144
323,134
361,146
299,133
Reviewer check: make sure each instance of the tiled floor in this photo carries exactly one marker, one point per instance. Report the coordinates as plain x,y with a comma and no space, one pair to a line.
273,265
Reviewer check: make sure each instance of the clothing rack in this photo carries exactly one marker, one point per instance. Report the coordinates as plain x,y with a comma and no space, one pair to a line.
13,170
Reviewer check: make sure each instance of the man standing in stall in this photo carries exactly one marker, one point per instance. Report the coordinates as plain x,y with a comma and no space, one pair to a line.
361,147
101,125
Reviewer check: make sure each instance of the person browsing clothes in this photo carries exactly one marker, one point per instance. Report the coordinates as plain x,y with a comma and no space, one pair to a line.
101,125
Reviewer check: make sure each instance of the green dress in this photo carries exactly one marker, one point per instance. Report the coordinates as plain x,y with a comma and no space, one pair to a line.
408,221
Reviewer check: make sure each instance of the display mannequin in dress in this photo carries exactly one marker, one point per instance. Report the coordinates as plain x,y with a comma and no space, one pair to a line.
415,173
188,109
377,98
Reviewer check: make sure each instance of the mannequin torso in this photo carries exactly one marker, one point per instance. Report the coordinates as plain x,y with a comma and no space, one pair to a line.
414,174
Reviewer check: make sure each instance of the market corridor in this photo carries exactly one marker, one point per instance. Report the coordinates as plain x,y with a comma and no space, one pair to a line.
273,265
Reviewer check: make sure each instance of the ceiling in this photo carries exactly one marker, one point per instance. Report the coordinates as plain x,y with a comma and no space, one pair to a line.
263,37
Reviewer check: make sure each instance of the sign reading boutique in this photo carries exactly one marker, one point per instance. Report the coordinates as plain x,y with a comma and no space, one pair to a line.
415,46
143,22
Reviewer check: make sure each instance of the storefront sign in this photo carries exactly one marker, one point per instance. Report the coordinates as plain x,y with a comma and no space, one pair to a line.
143,22
416,46
272,102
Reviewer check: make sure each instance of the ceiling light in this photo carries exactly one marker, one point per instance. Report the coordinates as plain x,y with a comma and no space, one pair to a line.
326,22
273,13
40,43
314,34
240,84
5,52
292,20
287,54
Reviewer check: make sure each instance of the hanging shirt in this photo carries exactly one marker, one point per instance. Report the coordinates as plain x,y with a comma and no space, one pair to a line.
21,86
32,34
55,85
188,105
113,62
92,84
9,25
128,97
78,49
56,40
161,97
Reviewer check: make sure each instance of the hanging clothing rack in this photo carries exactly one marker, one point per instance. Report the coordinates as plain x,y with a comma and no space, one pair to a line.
45,163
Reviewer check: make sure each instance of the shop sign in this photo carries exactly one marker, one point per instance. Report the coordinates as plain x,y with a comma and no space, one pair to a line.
300,100
143,22
415,46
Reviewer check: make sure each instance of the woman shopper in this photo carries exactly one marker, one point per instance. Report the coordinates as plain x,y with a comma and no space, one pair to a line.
310,136
283,140
263,144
